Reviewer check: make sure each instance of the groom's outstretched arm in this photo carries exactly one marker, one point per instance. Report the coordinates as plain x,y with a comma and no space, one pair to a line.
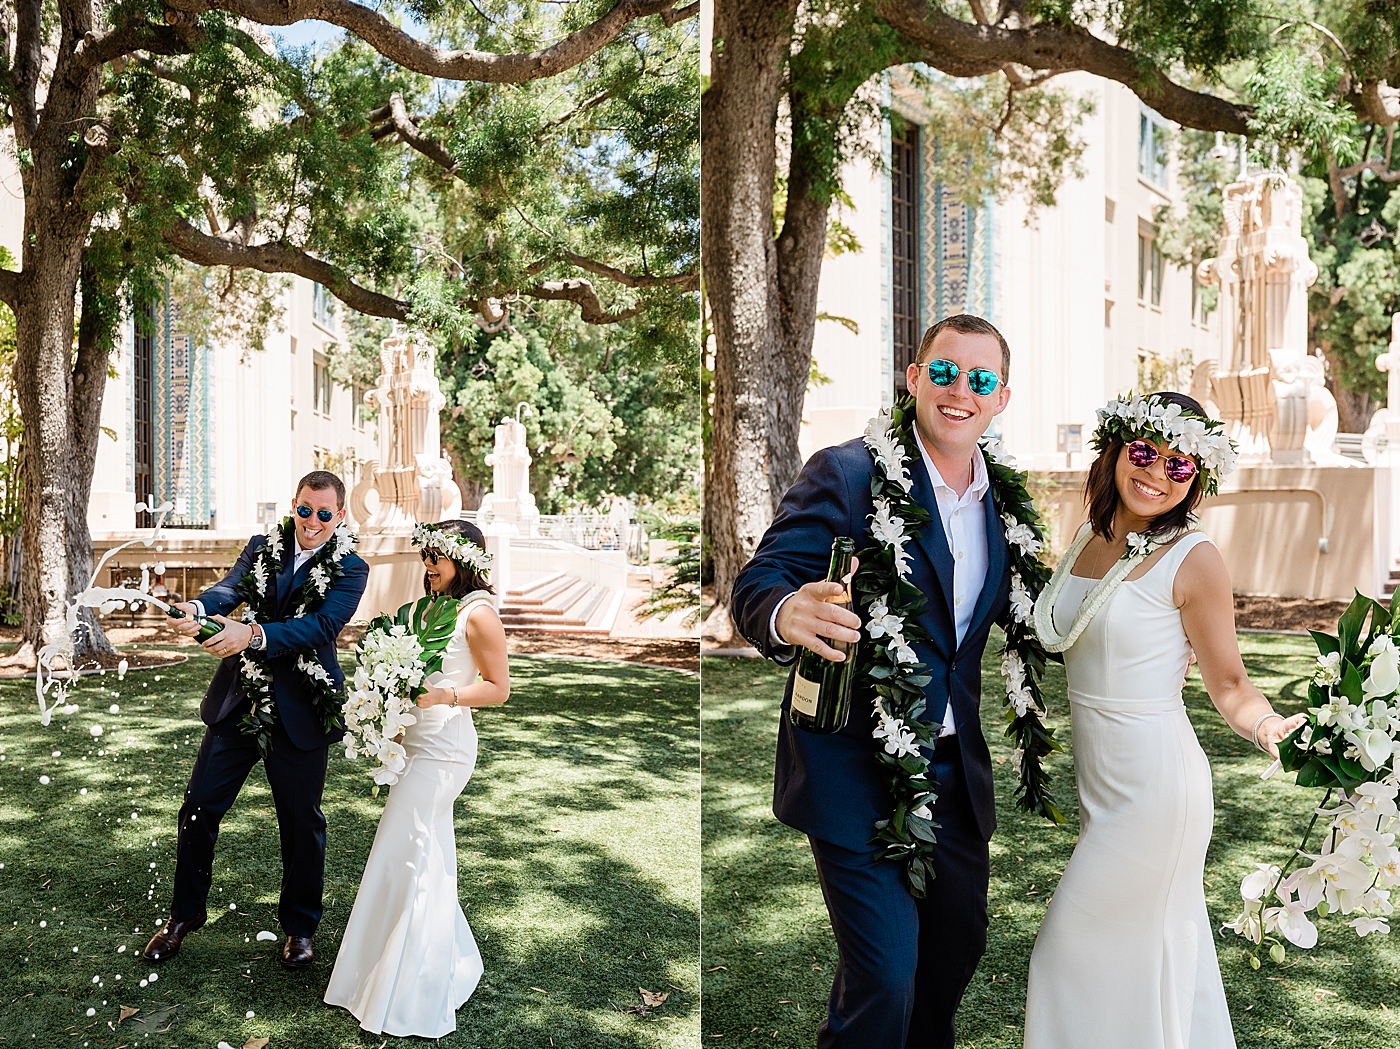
793,556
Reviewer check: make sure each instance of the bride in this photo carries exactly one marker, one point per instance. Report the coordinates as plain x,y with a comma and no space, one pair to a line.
1126,959
408,960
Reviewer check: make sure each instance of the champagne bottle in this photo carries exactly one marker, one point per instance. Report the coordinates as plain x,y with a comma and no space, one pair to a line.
207,627
821,691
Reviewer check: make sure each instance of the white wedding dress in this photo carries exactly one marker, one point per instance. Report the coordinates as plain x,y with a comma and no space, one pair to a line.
1126,957
408,960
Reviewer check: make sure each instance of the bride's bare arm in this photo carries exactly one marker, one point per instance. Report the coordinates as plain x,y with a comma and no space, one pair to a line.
487,639
1202,592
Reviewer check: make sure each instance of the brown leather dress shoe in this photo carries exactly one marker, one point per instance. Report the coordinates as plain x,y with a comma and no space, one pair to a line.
166,943
297,952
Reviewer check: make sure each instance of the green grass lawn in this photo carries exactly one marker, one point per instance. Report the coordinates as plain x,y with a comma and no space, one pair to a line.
768,946
576,840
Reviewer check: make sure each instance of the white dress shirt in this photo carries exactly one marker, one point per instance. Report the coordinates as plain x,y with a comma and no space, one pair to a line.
965,526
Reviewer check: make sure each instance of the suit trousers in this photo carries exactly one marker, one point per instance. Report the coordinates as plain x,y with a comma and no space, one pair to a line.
297,778
903,964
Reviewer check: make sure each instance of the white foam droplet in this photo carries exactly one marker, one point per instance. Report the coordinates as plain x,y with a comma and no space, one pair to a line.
83,791
143,983
114,709
121,950
265,935
154,977
56,754
44,779
250,1014
121,669
233,906
96,730
43,925
91,1011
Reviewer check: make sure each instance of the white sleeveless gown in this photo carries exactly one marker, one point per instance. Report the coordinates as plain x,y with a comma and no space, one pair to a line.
408,960
1126,956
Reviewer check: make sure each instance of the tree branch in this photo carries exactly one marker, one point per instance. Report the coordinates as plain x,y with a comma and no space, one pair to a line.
408,132
964,50
679,14
580,291
96,48
204,250
685,281
9,288
393,43
29,56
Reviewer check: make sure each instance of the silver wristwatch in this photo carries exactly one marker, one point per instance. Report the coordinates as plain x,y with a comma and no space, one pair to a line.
258,641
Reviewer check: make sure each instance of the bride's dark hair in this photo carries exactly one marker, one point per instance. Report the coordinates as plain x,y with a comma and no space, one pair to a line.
1101,489
468,579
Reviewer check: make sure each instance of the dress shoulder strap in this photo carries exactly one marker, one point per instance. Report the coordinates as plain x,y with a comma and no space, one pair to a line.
1171,561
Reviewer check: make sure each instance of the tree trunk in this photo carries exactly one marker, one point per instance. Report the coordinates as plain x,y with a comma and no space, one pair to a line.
59,390
752,462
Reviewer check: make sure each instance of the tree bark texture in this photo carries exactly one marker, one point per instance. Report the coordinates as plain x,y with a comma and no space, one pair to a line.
752,460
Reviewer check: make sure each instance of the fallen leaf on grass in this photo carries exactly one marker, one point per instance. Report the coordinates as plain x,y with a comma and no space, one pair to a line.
127,1011
652,1001
540,989
717,968
255,1043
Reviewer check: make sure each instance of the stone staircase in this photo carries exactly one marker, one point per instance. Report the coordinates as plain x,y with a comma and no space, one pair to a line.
561,604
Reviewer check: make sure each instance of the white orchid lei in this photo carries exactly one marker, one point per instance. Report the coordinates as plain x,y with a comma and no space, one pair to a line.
892,668
431,537
258,588
1350,743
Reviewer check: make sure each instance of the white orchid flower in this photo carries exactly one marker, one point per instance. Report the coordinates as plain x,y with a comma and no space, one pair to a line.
1247,925
1138,545
1256,886
1383,676
1373,747
1329,669
1367,924
1292,921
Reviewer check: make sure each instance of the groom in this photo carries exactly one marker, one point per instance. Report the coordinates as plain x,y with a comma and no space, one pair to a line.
903,963
297,755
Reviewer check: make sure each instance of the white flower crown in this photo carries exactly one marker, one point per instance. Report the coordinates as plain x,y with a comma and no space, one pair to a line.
1134,416
430,537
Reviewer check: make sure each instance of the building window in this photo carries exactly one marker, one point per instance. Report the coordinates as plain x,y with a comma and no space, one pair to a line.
357,407
322,306
1152,147
320,386
904,249
1149,266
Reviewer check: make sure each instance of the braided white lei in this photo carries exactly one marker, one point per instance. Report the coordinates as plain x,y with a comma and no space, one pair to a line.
1139,549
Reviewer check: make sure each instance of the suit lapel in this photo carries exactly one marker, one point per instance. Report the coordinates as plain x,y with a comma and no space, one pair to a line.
284,577
997,557
931,538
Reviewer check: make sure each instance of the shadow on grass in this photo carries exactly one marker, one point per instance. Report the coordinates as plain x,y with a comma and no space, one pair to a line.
577,839
769,952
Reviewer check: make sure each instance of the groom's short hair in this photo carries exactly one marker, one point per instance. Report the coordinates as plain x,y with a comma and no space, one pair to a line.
319,481
966,324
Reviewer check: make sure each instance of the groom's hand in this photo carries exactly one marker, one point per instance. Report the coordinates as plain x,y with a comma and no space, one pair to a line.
808,616
229,641
186,626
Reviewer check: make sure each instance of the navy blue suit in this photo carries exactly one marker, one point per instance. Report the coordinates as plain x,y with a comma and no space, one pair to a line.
904,963
297,758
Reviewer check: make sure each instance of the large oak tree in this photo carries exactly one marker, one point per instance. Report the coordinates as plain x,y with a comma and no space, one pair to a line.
149,131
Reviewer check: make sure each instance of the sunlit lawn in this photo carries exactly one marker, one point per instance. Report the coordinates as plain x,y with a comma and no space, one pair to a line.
577,840
768,947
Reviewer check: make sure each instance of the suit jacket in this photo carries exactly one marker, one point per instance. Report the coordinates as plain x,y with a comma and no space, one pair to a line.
286,639
831,787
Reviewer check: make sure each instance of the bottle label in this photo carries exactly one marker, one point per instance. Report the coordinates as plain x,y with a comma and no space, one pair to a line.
804,695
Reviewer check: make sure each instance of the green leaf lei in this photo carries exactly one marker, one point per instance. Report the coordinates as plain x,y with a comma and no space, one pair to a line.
258,588
890,667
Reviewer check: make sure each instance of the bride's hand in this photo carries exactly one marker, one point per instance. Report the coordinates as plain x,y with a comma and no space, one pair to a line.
431,697
1274,730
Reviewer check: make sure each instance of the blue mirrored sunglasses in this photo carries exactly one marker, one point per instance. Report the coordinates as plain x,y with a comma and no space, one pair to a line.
324,516
980,381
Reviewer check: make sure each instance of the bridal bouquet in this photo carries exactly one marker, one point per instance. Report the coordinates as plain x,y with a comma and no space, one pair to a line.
1348,746
394,657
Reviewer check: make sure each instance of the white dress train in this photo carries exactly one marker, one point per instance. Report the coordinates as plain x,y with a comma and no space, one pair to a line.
408,960
1126,956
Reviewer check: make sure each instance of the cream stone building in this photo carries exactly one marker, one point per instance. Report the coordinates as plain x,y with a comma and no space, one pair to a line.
1080,290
